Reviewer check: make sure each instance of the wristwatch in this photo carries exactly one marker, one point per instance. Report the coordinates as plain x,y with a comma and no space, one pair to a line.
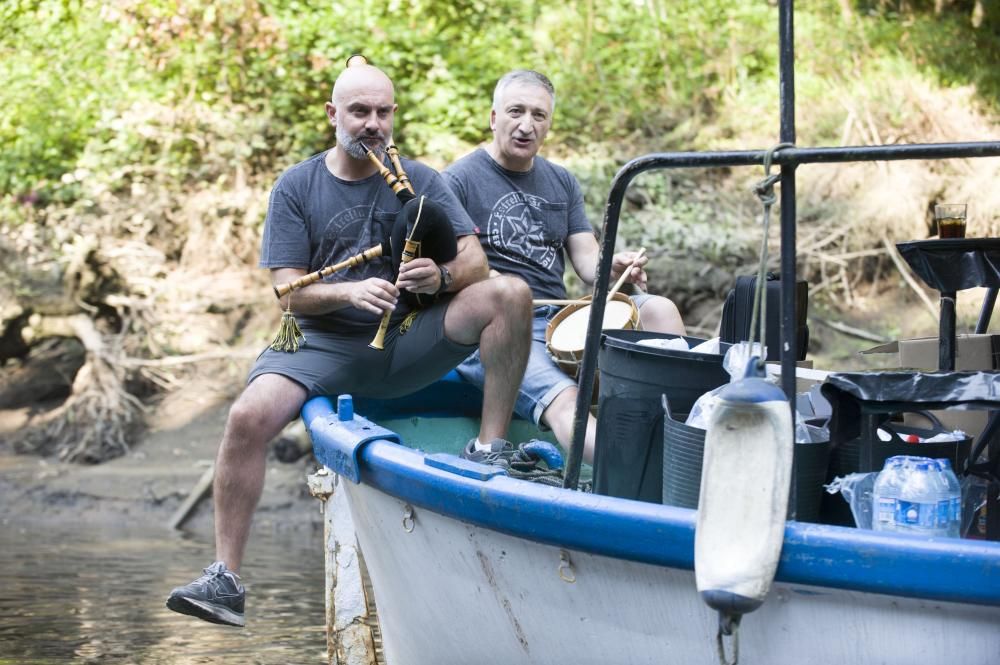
446,279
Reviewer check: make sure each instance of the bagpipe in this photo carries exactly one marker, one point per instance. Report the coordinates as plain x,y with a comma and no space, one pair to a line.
421,229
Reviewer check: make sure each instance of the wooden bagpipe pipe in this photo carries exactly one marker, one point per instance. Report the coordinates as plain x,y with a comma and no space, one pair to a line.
421,229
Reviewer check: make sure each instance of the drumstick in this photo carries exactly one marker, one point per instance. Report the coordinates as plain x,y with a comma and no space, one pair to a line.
556,301
625,273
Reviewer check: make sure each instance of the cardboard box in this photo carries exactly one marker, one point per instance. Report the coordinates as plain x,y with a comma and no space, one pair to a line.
972,352
805,375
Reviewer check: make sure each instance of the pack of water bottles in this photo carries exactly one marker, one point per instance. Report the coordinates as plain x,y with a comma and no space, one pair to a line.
919,495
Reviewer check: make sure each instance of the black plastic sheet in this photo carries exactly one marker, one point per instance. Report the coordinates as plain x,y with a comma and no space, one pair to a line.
852,394
954,264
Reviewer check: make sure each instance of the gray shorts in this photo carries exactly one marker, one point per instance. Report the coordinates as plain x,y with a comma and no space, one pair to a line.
543,379
334,363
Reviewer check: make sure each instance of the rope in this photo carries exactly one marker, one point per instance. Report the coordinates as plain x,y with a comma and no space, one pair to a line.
765,192
524,465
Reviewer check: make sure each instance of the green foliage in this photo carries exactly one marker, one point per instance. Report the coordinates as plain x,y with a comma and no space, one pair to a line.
947,47
179,87
57,78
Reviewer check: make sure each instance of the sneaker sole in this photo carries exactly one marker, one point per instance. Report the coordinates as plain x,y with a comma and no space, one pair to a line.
205,611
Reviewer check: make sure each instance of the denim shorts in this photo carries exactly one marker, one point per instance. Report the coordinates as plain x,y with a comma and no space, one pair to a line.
543,380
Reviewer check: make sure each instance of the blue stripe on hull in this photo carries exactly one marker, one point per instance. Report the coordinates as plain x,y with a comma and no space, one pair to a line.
964,571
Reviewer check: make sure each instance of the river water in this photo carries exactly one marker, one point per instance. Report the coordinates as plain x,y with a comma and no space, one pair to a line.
95,594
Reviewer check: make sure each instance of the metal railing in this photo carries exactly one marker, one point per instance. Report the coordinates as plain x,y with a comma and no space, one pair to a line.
788,159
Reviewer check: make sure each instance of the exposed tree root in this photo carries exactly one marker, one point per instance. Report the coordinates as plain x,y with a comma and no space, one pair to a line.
100,417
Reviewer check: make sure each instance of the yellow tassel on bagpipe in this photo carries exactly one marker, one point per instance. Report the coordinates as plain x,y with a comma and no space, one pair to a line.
289,336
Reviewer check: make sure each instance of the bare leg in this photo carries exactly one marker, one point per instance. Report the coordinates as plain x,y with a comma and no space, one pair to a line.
496,313
265,407
659,314
559,418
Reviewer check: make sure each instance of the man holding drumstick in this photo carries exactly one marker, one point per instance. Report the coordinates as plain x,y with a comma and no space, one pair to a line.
329,207
531,212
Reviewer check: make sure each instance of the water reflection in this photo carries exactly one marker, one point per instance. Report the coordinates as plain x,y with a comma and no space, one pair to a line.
85,594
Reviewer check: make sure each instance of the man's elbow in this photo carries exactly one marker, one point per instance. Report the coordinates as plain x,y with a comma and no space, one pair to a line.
473,272
476,267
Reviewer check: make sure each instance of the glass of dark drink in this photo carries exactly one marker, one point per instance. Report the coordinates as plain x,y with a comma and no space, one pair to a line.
950,218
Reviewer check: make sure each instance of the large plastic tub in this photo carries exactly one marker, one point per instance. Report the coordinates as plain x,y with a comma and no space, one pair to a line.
628,460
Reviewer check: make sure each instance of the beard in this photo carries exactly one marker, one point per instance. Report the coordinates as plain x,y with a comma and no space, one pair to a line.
354,146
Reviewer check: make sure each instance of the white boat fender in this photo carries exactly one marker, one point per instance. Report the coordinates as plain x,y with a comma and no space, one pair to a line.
745,481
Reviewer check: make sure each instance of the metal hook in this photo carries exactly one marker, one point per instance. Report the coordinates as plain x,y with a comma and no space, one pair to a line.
566,572
408,521
729,625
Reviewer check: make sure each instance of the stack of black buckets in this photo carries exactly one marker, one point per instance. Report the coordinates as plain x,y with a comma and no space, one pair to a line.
646,450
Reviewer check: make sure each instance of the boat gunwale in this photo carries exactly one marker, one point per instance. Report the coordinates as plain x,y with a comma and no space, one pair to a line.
939,569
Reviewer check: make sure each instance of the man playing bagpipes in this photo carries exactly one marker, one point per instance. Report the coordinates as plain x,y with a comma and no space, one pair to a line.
333,206
530,212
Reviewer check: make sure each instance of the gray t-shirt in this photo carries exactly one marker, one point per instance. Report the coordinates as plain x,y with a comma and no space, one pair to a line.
523,219
315,219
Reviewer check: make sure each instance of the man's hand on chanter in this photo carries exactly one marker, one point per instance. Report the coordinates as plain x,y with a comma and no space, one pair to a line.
419,276
374,295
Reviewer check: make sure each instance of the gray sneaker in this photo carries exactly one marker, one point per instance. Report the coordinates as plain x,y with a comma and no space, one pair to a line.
217,597
499,453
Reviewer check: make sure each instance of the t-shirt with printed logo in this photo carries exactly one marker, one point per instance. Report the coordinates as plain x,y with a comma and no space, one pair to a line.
315,219
522,219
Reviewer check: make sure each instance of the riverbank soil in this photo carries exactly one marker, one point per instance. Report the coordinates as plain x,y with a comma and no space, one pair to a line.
146,485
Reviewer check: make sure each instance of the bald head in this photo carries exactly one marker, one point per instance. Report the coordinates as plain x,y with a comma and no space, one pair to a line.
361,79
361,110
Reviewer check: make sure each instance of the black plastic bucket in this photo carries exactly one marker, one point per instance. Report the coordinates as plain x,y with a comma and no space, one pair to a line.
684,448
628,461
810,461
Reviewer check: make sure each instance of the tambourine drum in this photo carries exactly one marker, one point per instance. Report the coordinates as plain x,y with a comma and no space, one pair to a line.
566,333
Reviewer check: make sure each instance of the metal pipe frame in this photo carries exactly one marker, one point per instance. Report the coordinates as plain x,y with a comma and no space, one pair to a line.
788,159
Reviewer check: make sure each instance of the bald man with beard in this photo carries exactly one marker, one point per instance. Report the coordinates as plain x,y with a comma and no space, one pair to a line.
321,211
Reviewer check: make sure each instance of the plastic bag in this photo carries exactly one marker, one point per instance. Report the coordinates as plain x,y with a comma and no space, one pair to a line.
806,432
737,357
974,494
712,346
735,364
672,343
856,488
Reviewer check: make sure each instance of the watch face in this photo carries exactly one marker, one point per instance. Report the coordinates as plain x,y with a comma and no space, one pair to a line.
445,278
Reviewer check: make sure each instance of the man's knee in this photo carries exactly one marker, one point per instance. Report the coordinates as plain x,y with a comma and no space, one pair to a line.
659,314
560,409
512,294
246,421
257,416
500,300
667,307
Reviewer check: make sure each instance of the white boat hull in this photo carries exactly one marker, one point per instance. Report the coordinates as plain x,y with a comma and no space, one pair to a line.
470,566
451,592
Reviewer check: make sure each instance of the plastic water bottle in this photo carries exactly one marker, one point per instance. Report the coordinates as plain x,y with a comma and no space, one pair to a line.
917,507
950,504
885,494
